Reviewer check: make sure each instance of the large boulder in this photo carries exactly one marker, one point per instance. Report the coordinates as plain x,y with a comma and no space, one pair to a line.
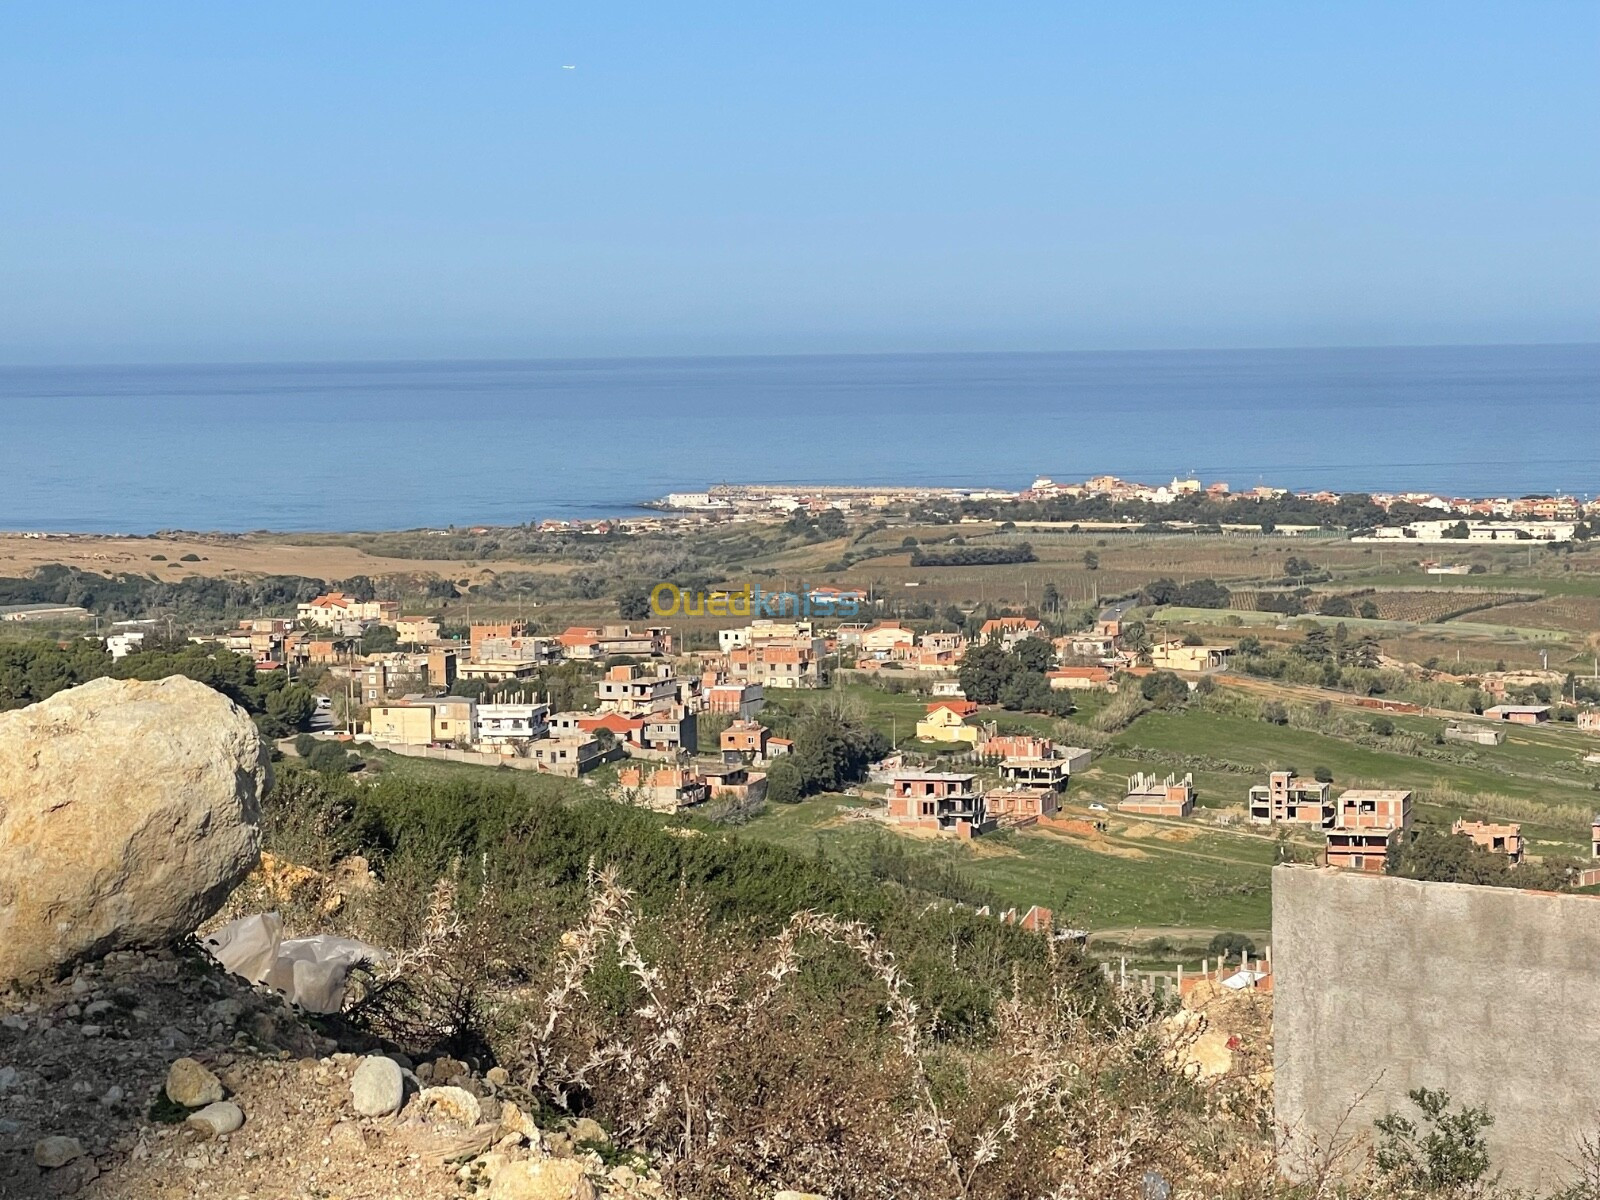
128,812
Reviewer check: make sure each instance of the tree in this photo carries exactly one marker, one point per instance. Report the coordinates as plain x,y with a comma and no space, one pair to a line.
1164,690
784,781
633,604
378,639
831,523
1315,646
1091,561
1231,945
1250,644
287,709
1322,775
1382,726
1034,654
984,671
1441,857
1337,606
1274,713
1369,610
1050,598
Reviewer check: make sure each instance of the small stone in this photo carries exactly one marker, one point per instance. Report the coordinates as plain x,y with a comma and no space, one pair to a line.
542,1179
14,1021
585,1129
453,1104
214,1120
53,1152
798,1196
97,1008
8,1078
92,1031
378,1087
112,1096
498,1076
80,986
189,1084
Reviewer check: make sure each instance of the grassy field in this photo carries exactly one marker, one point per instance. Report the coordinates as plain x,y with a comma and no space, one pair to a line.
1211,871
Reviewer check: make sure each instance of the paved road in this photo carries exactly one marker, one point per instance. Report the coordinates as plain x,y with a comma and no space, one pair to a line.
1114,612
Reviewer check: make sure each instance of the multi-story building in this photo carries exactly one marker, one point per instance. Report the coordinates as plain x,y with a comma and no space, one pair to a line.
945,801
500,724
1500,839
1288,797
482,631
634,691
1367,824
416,631
665,789
333,609
674,730
773,664
740,700
1008,631
744,742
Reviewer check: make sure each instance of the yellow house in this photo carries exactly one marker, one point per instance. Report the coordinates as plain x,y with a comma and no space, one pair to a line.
947,722
404,724
416,631
1175,656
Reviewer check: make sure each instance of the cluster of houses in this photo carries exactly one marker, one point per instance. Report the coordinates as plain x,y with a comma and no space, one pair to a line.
1110,487
1362,826
1033,772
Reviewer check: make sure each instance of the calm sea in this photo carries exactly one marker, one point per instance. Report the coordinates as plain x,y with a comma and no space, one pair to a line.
401,445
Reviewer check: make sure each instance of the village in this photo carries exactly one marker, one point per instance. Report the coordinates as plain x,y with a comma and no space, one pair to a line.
678,728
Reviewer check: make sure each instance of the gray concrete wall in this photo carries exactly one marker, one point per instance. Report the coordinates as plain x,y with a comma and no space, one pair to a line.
1383,985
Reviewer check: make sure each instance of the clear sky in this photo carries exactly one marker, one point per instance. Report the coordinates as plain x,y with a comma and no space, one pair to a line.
215,181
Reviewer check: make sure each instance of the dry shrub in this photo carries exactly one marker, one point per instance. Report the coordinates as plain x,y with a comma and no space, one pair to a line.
806,1063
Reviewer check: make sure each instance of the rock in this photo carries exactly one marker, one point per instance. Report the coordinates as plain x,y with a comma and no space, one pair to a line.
378,1087
498,1076
128,812
192,1086
8,1078
53,1152
453,1104
214,1120
798,1196
542,1179
585,1129
514,1120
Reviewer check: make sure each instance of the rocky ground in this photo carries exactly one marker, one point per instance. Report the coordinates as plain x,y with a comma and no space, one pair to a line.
259,1104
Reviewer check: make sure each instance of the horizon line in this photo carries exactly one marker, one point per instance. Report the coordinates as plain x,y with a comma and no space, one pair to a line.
852,354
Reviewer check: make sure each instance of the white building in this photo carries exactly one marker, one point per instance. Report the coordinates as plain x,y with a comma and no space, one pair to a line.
501,723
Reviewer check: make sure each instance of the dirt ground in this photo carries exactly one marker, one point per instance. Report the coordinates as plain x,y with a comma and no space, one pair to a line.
227,556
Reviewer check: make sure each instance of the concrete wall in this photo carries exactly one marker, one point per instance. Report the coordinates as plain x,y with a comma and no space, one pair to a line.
1384,985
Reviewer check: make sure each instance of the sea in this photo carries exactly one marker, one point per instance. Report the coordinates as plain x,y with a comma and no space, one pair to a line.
402,445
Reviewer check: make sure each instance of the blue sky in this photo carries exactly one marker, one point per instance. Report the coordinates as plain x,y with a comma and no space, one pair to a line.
391,180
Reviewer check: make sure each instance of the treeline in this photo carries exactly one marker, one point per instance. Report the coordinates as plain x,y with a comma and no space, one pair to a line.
36,670
974,556
1353,511
1198,593
128,595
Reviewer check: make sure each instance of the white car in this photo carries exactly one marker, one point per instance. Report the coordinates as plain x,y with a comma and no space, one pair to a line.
1098,807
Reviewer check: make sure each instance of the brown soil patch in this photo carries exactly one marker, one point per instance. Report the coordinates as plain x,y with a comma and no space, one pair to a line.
224,556
1176,835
